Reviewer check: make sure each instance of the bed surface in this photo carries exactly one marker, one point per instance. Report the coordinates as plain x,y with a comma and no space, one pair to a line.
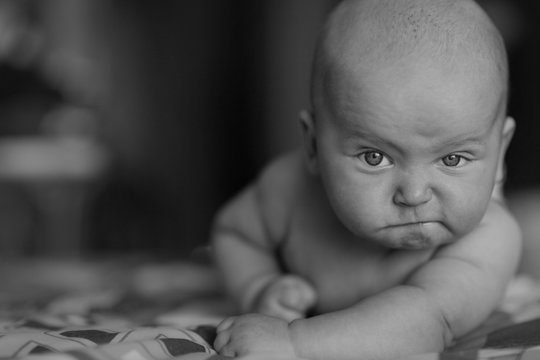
134,308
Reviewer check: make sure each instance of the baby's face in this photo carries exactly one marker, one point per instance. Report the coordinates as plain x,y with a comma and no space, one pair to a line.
409,156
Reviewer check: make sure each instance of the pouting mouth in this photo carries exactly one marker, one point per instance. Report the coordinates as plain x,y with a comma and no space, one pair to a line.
413,223
417,234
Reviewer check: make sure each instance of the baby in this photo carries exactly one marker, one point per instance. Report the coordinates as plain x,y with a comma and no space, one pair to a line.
386,235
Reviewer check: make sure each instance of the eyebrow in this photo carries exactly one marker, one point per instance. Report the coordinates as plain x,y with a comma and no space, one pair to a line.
473,139
356,133
457,141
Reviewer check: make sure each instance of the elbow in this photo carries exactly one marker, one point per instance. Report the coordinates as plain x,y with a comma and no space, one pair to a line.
447,334
438,322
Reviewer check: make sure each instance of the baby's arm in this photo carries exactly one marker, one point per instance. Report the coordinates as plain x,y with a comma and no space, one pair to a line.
244,243
444,299
447,297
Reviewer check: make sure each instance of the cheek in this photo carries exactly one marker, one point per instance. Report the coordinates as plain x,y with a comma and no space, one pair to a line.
357,202
465,207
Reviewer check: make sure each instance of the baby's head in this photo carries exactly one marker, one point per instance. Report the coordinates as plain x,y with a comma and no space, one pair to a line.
409,127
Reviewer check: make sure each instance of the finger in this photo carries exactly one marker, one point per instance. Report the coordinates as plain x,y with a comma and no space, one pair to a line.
289,315
228,351
282,312
225,324
299,297
221,341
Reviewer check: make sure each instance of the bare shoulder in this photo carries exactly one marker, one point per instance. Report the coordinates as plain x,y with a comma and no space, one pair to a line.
277,187
260,211
281,173
468,277
495,243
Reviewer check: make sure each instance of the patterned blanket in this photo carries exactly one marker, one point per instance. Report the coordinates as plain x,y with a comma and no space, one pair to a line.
147,310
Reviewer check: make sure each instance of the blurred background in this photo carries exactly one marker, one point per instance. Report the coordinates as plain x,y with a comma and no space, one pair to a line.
125,124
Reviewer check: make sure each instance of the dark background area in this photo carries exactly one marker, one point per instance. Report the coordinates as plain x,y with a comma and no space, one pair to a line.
170,107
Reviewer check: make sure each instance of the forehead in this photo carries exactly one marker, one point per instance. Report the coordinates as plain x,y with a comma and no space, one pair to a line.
427,99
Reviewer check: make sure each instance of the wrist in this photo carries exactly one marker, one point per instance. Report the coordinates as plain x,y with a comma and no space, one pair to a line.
254,290
295,331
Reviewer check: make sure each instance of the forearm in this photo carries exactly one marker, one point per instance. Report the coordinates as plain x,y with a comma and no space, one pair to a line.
243,250
246,269
401,321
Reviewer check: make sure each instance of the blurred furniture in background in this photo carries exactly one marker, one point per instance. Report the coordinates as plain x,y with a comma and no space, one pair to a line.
58,177
50,157
189,100
193,98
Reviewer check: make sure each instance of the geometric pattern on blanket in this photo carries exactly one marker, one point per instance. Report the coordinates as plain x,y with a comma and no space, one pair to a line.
107,311
164,312
515,342
35,339
512,333
153,342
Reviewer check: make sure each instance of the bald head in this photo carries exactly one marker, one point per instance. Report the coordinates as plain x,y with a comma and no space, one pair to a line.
364,35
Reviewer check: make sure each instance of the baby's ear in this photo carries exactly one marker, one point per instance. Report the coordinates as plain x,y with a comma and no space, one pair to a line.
509,127
307,122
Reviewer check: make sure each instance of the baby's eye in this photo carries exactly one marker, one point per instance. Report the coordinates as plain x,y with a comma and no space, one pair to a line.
454,160
375,158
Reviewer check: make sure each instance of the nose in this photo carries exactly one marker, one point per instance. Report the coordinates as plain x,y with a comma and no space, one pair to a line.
412,190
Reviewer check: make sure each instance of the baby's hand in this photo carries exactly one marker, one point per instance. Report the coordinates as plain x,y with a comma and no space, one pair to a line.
254,333
288,298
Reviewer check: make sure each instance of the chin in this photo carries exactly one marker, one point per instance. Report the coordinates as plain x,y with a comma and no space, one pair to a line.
417,242
408,243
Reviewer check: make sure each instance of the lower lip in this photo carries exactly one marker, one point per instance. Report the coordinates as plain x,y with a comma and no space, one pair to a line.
415,235
416,224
